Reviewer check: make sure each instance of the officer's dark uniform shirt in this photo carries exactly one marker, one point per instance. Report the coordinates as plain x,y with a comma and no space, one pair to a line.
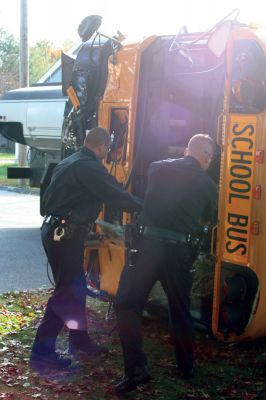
79,186
178,194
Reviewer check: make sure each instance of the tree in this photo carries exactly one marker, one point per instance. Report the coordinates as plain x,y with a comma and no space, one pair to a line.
9,53
42,56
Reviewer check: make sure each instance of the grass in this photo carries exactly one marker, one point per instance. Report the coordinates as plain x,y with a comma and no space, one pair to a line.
4,181
225,371
7,160
7,156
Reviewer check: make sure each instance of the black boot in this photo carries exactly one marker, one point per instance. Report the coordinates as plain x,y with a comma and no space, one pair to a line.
43,353
40,362
81,344
130,381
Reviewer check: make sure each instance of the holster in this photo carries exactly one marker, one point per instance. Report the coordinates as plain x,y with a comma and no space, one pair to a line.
70,229
66,224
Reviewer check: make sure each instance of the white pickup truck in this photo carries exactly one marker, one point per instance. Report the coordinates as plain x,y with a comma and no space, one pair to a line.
34,116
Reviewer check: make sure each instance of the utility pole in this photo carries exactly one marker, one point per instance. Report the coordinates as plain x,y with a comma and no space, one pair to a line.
23,73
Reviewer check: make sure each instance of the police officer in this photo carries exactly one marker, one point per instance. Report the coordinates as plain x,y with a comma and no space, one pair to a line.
79,186
178,194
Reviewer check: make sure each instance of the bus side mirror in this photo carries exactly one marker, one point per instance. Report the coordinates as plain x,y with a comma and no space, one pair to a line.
89,26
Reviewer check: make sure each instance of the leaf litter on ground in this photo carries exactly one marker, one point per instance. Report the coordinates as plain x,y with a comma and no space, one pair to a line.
224,371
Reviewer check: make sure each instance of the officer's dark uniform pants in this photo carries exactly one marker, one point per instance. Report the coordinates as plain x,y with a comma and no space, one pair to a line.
170,264
67,305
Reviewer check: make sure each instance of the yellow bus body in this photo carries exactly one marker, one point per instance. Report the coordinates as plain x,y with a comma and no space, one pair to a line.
241,235
242,216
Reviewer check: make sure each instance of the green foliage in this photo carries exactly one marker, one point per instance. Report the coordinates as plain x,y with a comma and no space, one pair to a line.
7,156
9,53
3,175
42,56
67,44
16,312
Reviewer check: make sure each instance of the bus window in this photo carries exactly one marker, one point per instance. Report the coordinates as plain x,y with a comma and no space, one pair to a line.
117,157
248,91
118,132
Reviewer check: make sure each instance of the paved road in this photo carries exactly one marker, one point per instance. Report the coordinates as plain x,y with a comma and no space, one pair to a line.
22,259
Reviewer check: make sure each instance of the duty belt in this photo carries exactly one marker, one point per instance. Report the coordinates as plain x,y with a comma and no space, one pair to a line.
54,220
166,235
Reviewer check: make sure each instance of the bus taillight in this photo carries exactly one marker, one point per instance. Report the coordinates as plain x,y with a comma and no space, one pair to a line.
259,157
256,192
255,227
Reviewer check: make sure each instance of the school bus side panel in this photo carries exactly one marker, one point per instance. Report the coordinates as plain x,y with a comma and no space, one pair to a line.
121,93
242,215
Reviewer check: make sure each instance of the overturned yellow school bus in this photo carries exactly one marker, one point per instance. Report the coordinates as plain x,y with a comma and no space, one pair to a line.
157,93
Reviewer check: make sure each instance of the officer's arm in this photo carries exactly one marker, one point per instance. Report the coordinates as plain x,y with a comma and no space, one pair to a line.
105,187
209,215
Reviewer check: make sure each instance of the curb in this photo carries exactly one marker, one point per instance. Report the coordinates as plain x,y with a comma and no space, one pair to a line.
21,190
